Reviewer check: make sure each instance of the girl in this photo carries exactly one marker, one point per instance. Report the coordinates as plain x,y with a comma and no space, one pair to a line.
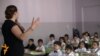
81,47
63,44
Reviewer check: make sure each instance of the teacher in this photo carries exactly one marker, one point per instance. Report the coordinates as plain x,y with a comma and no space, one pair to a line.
14,34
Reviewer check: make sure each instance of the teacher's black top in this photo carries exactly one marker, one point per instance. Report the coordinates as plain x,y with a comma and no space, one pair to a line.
15,45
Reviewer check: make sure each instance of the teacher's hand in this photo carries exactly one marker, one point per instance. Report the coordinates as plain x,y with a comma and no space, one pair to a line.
35,23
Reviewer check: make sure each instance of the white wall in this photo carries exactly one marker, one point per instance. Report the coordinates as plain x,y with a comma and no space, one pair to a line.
47,10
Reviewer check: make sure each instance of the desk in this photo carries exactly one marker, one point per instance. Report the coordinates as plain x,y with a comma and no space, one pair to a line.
33,53
87,54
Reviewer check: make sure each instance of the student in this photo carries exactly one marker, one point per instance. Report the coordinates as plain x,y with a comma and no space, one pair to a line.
81,47
51,41
95,48
75,41
40,47
95,38
56,49
95,35
31,45
63,44
69,51
85,37
66,36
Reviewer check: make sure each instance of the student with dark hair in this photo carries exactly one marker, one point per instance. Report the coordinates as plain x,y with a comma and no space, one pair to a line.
13,34
31,45
69,51
95,35
75,41
56,49
81,47
66,36
95,48
51,40
40,47
63,43
85,37
96,38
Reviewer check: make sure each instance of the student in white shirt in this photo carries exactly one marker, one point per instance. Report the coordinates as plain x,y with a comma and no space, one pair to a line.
63,44
66,36
96,38
56,49
69,51
82,47
40,47
75,41
85,37
95,35
95,48
51,40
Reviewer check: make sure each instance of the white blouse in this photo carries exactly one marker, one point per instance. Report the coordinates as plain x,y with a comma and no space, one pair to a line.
58,53
42,48
70,54
81,50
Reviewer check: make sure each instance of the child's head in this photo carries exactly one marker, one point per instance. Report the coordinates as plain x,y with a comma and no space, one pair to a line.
96,34
68,49
95,44
62,39
57,45
75,36
40,42
82,44
31,41
52,37
66,36
85,34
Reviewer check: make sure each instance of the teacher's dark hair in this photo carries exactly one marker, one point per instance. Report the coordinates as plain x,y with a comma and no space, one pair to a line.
10,10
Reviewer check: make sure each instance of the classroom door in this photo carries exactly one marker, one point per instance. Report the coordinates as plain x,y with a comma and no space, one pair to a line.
91,19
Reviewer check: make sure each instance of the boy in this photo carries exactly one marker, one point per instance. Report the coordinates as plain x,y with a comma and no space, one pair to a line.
66,36
51,41
56,49
69,51
31,45
40,47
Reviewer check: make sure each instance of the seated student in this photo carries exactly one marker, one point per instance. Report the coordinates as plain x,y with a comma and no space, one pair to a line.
82,47
51,41
96,39
40,47
95,35
75,41
31,45
56,49
95,48
69,51
63,44
66,36
85,37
